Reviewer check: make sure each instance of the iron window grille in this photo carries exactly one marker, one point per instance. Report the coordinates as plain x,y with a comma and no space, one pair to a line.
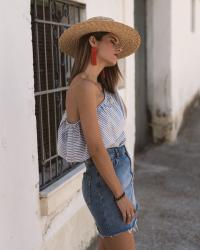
51,73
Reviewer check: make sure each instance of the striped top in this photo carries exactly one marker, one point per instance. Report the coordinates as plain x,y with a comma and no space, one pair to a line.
111,114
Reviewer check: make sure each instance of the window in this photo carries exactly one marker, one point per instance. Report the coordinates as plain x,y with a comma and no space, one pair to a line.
51,73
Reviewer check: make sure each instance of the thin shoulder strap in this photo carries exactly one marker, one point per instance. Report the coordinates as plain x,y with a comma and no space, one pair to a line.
120,101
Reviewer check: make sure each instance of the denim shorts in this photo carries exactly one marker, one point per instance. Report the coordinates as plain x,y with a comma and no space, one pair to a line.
99,198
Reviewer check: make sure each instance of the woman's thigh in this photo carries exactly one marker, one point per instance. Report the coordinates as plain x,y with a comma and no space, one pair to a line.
122,241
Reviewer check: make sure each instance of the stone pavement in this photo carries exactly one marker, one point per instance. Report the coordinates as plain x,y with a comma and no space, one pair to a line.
167,186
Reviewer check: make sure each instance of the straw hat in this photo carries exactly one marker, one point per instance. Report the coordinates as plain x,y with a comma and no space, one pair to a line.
129,37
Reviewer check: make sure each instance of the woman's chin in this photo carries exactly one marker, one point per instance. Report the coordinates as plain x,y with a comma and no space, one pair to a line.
111,63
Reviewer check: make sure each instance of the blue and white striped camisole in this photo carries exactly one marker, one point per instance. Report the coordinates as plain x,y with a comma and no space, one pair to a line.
111,113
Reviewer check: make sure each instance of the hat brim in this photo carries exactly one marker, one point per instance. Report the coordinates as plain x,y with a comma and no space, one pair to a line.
129,37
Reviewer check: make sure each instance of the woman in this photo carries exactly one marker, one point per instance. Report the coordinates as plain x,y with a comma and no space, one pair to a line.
92,126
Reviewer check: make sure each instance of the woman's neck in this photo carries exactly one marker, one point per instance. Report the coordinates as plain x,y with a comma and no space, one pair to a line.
92,72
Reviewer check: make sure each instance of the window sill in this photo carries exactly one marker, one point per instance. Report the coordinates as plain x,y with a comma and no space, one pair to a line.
62,191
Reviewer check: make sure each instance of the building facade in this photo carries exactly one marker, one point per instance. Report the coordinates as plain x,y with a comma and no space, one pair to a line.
42,207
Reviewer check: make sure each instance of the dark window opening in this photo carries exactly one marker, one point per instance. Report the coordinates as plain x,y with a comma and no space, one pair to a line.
51,73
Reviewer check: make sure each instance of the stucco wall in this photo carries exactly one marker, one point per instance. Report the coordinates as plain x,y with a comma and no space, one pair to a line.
20,227
158,64
172,64
185,54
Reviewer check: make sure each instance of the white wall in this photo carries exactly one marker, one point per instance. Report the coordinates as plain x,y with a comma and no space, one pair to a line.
185,54
22,225
159,56
172,64
159,66
129,95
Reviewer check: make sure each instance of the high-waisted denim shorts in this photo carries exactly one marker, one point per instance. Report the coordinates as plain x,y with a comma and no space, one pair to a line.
100,199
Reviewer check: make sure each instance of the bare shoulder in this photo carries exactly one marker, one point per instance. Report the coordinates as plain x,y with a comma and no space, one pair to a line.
84,89
86,86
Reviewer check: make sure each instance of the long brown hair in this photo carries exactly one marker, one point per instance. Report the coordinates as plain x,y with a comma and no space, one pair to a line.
81,60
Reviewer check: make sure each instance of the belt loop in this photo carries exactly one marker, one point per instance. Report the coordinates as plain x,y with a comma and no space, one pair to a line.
87,161
125,149
117,152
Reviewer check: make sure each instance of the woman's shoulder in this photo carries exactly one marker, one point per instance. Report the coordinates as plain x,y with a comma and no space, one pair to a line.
80,82
82,85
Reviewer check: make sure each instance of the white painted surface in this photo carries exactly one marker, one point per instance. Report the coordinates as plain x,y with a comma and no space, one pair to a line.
20,227
185,54
173,54
173,79
159,56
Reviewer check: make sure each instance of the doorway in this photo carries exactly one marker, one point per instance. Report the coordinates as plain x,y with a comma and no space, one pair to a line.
142,114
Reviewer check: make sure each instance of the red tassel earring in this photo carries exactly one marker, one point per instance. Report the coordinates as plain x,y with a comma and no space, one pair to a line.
94,56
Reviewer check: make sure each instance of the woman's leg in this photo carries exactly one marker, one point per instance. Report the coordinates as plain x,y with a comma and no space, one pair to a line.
101,244
122,241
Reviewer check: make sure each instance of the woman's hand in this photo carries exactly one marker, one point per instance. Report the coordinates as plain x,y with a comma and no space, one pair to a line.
127,209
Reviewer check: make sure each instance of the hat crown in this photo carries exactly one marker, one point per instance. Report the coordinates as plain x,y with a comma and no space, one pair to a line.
100,18
129,37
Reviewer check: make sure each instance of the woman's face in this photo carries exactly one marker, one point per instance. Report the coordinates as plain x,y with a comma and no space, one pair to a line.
108,49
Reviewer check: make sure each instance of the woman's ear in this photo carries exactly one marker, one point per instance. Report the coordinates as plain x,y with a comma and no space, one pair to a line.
92,41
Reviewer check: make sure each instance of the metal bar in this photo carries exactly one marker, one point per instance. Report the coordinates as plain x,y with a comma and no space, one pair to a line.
41,6
35,9
49,22
66,58
54,99
68,68
49,91
70,63
49,159
43,175
80,5
65,63
55,179
59,63
68,2
79,14
46,80
40,101
74,13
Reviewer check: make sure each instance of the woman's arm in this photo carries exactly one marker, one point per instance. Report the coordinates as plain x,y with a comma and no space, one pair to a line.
87,103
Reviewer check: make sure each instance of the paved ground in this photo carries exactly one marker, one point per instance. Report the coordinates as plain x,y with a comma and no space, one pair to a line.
167,186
